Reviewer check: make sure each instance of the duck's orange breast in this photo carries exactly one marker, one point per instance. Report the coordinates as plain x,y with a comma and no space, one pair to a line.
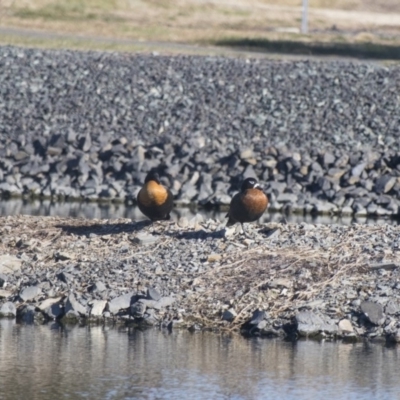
153,194
255,201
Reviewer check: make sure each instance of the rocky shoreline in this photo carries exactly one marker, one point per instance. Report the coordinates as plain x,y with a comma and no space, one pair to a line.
278,280
323,137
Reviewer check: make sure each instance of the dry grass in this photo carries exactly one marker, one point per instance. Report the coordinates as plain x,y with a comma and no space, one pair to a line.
206,21
306,270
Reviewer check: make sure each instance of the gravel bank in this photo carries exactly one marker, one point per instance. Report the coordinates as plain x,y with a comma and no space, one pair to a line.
322,136
284,280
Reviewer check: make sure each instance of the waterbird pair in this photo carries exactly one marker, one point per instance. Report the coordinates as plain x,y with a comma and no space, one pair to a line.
156,201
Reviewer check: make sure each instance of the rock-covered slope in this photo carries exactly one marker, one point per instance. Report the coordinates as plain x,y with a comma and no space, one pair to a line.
323,136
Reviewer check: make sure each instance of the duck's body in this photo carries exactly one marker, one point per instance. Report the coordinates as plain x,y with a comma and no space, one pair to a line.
248,205
155,201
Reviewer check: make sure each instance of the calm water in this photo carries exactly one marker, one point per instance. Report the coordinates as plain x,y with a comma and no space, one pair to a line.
55,362
50,362
113,211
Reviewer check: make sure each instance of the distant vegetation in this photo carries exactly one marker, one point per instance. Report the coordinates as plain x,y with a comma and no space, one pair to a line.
228,22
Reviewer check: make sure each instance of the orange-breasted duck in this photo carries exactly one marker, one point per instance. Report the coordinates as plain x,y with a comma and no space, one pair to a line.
155,201
249,204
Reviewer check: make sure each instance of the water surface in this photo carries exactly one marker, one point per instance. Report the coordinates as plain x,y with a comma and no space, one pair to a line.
114,211
55,362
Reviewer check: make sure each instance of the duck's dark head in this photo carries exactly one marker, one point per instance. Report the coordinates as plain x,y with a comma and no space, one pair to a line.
152,176
250,183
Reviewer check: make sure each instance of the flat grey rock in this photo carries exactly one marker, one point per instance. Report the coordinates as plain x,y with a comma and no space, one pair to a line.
49,302
229,315
373,312
73,306
385,183
120,303
29,293
345,326
392,307
153,294
98,307
336,173
358,169
98,286
8,310
9,263
311,324
145,239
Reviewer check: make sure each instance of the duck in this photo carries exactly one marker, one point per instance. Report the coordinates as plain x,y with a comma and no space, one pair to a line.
155,201
248,205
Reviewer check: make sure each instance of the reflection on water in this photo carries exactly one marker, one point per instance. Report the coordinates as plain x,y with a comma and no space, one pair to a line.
113,211
50,362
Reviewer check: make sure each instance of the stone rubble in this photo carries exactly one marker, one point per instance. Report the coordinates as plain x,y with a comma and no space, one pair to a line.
310,280
323,137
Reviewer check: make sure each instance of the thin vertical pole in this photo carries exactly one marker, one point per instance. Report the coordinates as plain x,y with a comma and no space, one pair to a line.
304,18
